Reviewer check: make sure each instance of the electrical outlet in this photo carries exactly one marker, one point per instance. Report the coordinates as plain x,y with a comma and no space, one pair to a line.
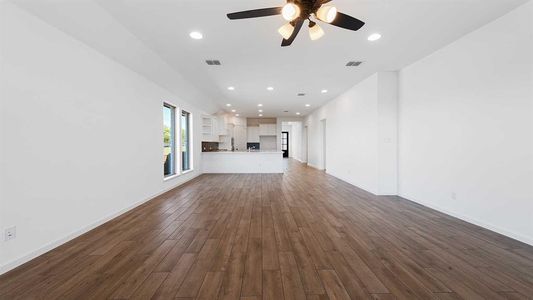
10,233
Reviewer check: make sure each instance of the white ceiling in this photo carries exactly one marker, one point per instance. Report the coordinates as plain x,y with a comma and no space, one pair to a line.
152,38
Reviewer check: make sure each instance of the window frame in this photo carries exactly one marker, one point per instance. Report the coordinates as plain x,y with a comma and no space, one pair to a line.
175,141
189,138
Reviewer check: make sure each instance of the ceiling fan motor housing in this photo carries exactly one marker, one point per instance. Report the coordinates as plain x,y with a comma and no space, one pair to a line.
307,7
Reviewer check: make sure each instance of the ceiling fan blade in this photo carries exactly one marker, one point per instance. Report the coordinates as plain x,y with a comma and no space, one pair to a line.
297,27
347,22
255,13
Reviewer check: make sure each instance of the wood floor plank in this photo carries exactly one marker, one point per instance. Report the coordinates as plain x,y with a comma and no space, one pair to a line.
253,275
272,285
232,279
210,286
333,285
149,286
292,283
298,235
169,288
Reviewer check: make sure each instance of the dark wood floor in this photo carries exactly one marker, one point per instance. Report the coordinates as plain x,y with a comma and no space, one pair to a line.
302,235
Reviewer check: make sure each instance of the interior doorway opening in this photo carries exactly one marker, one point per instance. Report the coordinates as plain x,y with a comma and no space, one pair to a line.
292,139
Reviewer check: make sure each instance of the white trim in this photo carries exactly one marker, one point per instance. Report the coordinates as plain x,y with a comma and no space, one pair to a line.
191,143
177,136
505,232
186,171
42,250
169,177
315,167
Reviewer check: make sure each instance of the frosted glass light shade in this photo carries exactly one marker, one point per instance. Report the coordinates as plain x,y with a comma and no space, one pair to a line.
290,11
286,30
315,32
327,13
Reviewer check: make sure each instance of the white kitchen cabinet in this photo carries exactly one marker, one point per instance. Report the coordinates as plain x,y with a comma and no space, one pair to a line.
239,121
225,125
209,128
239,137
253,134
267,129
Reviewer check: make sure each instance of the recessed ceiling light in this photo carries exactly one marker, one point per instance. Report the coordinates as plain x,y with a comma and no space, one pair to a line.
196,35
374,37
270,88
228,105
233,110
259,104
231,88
260,115
298,113
260,110
324,91
307,105
236,115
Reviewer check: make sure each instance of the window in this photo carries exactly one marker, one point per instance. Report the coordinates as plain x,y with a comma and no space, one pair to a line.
169,140
185,141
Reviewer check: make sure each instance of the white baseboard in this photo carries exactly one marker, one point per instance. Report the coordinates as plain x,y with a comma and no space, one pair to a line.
42,250
502,231
315,167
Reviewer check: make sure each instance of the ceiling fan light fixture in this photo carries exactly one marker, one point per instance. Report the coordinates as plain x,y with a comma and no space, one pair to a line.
326,13
286,30
290,11
315,31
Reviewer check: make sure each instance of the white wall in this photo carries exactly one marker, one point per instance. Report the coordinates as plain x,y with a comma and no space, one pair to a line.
466,127
462,129
351,140
268,143
387,118
296,140
81,137
304,147
360,134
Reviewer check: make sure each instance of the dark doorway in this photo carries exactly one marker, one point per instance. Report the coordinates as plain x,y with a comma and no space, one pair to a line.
285,143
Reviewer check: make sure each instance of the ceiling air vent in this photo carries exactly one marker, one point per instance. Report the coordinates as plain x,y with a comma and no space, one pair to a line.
301,94
353,63
213,62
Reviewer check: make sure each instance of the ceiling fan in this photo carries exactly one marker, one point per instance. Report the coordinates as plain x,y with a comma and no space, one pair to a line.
296,12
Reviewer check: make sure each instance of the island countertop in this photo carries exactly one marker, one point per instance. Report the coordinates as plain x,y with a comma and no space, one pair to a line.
242,162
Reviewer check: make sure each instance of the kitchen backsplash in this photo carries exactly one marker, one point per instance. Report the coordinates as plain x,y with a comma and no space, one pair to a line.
209,146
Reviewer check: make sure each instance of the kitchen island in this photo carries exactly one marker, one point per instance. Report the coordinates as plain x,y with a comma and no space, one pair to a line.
242,162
